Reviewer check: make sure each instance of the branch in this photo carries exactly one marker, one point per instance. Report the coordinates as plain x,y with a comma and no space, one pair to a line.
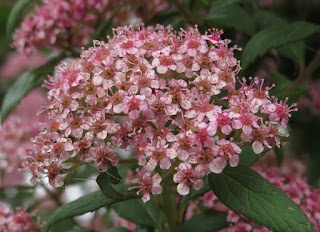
305,74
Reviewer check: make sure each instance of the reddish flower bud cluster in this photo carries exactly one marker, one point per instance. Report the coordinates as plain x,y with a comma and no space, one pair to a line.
63,24
16,222
171,97
17,63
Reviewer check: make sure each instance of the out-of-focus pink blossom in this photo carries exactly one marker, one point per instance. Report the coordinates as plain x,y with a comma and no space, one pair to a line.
120,222
19,62
62,24
311,102
19,221
16,134
148,185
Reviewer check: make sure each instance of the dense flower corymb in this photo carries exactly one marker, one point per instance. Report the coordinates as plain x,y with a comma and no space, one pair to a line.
169,96
19,221
62,24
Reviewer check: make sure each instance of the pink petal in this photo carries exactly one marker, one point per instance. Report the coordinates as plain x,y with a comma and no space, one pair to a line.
198,184
156,179
146,197
165,163
162,69
226,129
247,129
97,80
217,165
257,147
236,124
234,161
183,189
156,189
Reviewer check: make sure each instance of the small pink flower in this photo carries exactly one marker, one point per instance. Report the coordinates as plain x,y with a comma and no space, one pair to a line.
159,153
149,185
20,221
224,122
187,177
245,122
105,156
280,112
225,152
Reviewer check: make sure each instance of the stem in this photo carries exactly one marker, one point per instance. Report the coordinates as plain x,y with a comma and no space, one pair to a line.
169,208
305,73
128,161
170,172
181,215
53,195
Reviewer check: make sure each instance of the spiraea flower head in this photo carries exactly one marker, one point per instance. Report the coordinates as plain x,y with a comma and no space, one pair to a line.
17,221
61,24
15,135
170,96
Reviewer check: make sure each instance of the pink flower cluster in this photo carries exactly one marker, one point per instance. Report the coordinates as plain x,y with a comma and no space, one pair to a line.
169,96
18,129
62,24
293,184
312,101
19,221
148,185
19,62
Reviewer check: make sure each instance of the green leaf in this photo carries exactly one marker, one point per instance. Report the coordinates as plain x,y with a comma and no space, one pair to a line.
205,223
281,82
248,157
281,90
247,192
104,181
273,37
18,12
279,154
196,193
118,229
231,16
65,225
219,4
141,228
265,19
81,230
140,213
82,205
293,51
24,84
15,15
4,14
113,175
81,174
109,183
